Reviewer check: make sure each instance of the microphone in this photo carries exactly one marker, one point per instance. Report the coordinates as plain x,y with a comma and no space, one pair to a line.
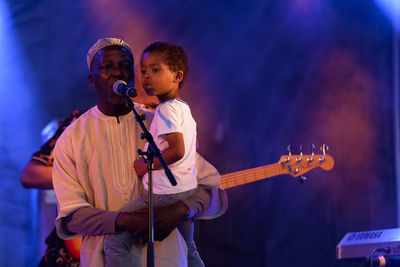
121,88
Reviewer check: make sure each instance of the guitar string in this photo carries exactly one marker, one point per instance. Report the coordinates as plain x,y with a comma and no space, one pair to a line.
248,173
247,176
251,175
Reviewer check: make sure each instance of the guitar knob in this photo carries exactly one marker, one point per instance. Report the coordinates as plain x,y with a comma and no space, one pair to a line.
302,179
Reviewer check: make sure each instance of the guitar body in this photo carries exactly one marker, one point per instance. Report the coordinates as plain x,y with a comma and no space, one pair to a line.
73,246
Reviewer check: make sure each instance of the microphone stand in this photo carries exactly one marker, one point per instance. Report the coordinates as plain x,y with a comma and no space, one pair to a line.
149,155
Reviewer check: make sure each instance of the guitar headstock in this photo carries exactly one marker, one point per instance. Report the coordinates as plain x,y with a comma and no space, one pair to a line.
297,165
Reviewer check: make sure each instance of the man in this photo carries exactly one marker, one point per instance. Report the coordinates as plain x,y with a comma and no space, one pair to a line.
93,173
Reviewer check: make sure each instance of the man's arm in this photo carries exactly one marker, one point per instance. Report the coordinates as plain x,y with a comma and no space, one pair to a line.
89,221
209,200
93,221
37,175
38,171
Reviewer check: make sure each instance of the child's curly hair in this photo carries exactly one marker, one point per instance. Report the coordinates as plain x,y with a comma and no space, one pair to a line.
175,57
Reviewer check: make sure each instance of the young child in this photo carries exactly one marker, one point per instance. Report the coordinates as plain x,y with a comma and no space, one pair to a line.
163,67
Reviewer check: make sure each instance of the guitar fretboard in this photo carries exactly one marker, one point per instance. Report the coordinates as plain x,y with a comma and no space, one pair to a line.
248,176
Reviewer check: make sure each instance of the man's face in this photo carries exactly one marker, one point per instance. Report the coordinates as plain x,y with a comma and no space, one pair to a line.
109,65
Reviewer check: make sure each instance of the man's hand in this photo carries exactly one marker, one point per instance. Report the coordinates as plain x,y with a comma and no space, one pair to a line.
167,218
165,221
135,223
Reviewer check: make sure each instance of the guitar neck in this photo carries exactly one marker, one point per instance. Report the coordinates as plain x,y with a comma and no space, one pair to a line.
294,165
250,175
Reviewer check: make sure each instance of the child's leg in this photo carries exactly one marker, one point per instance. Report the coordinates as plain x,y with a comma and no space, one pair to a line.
118,247
186,228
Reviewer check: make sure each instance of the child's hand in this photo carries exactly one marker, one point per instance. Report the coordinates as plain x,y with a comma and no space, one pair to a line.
140,167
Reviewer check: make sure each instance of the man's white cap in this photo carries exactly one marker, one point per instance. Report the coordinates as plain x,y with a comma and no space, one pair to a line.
102,43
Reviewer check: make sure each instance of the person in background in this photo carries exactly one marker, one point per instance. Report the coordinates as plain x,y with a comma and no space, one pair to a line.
37,174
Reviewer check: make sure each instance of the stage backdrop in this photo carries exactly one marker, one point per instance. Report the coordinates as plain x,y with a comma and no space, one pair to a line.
263,75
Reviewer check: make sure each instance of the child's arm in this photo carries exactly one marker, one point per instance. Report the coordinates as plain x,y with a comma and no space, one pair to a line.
172,154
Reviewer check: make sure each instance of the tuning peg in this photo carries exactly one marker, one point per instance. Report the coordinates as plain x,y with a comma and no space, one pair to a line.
303,179
312,149
299,159
324,148
289,149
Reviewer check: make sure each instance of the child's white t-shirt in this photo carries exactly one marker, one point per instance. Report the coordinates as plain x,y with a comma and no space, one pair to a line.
170,117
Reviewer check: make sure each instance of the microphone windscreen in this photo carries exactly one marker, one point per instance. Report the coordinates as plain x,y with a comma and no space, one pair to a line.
116,84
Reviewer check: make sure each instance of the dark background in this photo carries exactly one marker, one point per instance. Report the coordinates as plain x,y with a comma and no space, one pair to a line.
263,74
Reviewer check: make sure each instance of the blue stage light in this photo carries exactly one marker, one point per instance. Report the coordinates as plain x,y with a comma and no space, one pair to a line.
392,9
